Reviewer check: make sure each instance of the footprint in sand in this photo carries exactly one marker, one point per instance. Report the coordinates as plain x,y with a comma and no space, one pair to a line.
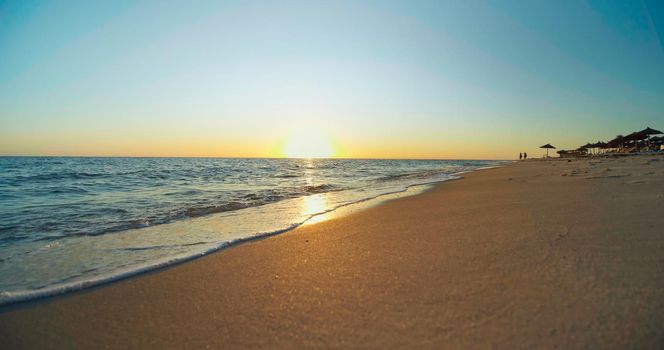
606,176
634,182
570,173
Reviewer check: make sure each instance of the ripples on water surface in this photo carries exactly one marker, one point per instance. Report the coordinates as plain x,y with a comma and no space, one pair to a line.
70,222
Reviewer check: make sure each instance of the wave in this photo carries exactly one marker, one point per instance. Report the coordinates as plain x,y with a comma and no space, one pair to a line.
422,174
200,211
16,296
287,176
260,198
68,190
162,174
61,176
313,189
190,195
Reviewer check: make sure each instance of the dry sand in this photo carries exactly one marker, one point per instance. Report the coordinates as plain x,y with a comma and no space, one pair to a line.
536,254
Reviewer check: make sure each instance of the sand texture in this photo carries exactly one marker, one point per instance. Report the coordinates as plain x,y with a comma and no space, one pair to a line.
539,254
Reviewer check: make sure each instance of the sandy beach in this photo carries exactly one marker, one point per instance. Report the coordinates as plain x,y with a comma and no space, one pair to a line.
536,254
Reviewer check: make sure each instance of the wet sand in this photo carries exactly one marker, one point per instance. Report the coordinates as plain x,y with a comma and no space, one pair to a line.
536,254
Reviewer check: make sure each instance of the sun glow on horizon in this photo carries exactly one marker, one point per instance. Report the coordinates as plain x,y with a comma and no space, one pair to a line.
308,144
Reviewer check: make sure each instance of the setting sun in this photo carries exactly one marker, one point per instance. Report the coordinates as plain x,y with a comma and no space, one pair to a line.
308,144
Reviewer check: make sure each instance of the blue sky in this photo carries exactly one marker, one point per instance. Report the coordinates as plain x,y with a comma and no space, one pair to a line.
415,79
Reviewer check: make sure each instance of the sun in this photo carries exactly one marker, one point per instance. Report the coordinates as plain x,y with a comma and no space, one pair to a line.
309,143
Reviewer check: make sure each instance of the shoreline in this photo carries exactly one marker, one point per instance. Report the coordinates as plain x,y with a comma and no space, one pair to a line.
417,271
16,298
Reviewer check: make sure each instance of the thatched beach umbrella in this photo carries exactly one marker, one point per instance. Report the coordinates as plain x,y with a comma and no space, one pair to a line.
547,146
599,145
648,131
587,147
616,143
636,136
641,135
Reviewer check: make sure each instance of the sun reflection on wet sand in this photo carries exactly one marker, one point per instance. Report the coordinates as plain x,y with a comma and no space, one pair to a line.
315,204
320,203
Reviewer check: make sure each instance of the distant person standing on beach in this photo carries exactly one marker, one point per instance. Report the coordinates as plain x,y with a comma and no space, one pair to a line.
520,155
525,155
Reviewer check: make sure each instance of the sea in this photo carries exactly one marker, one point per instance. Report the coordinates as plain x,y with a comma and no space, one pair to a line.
68,223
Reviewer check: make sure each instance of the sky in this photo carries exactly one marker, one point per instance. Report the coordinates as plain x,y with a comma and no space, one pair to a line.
372,79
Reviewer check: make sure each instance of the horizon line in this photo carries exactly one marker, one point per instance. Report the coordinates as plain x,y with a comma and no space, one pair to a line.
239,157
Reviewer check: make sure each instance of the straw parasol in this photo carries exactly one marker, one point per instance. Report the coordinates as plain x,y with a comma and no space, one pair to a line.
648,131
616,143
599,145
585,148
642,135
636,136
548,147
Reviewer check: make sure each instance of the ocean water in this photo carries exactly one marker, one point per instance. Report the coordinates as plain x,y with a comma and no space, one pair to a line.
68,223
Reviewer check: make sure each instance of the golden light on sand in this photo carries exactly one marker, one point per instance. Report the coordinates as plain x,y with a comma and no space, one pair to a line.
308,144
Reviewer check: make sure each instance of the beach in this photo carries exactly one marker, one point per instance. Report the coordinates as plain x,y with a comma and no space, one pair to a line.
543,254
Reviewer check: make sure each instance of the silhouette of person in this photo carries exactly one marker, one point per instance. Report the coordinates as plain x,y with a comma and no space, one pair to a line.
525,155
520,155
